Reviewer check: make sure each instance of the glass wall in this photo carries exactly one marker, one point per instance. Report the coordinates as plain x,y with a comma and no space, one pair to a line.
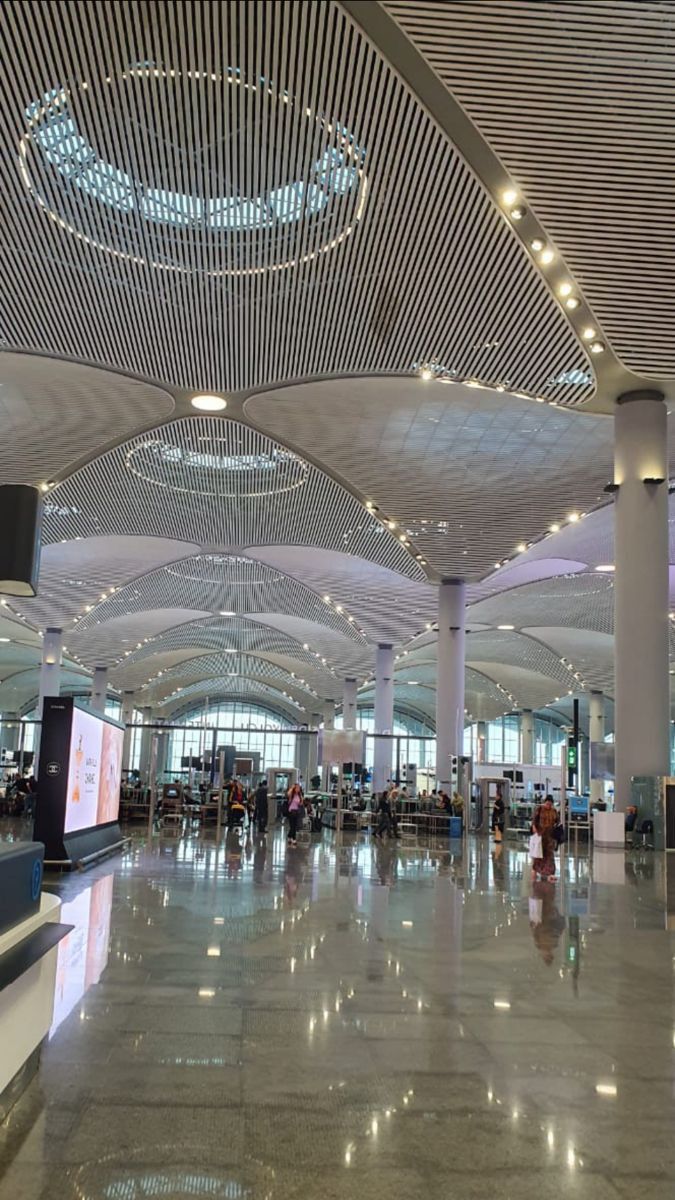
502,738
411,748
249,727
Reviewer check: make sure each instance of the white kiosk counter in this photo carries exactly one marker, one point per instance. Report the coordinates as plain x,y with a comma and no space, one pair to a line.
28,955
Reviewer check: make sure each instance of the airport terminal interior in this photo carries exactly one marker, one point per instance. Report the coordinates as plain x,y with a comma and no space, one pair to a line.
337,763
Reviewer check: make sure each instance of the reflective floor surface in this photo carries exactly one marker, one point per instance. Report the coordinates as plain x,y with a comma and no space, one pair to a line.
355,1021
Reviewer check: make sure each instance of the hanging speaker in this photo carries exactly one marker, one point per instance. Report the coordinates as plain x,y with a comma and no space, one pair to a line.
21,522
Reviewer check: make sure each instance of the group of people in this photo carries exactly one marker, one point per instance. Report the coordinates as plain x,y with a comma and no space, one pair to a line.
20,796
254,804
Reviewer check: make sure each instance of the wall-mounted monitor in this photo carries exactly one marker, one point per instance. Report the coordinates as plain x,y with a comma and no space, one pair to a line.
79,781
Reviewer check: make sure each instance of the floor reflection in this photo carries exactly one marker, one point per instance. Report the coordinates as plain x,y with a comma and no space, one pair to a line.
355,1019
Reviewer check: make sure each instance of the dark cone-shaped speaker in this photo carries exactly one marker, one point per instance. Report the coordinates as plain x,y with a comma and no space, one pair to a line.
20,527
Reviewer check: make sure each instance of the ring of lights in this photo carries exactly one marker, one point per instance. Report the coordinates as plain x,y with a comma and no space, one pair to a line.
265,575
54,156
243,476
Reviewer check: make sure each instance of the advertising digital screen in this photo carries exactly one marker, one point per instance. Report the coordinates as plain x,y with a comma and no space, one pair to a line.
94,772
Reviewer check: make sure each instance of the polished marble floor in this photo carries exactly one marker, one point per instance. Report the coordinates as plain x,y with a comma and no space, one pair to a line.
355,1021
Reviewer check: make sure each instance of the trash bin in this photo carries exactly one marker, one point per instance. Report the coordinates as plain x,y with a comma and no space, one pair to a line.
455,827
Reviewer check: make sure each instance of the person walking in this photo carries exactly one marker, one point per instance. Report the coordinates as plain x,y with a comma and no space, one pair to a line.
386,817
543,823
261,806
295,807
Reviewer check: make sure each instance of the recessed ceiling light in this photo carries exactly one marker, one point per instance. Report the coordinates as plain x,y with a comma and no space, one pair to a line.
207,403
572,302
426,374
509,196
521,547
572,517
4,639
565,289
588,333
505,627
226,613
537,245
554,528
605,567
597,347
517,213
546,257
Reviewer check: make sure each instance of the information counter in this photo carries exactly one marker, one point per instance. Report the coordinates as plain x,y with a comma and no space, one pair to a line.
28,955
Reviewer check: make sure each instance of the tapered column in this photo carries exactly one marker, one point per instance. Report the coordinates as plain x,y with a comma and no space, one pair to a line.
384,715
481,742
50,672
99,689
596,733
527,736
10,727
146,744
127,716
450,676
50,678
313,754
349,704
642,700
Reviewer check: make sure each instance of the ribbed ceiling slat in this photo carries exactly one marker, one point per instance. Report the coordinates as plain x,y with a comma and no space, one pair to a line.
168,239
577,100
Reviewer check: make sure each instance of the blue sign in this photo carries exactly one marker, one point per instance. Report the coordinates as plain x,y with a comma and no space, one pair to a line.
36,879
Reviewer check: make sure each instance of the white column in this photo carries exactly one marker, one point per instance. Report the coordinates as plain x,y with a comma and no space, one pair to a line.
50,672
384,715
9,731
596,733
329,714
146,745
99,689
450,676
642,699
349,704
527,736
313,756
127,716
481,742
50,678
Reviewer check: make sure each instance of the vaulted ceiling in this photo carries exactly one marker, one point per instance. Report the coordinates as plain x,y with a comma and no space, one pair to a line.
301,209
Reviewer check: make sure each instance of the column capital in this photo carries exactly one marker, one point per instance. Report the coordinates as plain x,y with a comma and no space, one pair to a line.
640,394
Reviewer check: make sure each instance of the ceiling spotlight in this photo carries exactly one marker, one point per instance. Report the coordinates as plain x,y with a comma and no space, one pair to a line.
426,374
226,613
505,627
537,245
546,257
509,196
605,567
554,528
573,517
588,333
517,213
572,302
521,547
565,289
208,403
597,347
497,566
